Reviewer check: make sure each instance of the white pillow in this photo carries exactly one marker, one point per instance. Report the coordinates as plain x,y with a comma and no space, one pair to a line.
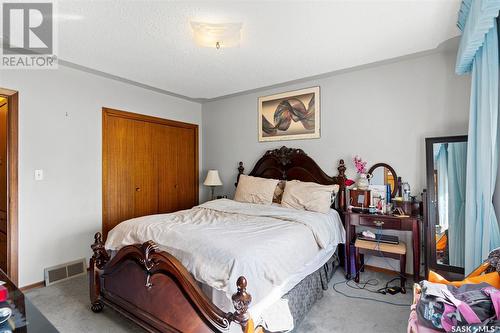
255,190
308,196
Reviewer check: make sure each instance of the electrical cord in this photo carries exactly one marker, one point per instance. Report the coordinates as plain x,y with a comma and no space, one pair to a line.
346,281
366,298
400,276
381,254
363,287
370,282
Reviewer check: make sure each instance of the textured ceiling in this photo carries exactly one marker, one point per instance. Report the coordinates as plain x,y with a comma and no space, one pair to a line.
151,41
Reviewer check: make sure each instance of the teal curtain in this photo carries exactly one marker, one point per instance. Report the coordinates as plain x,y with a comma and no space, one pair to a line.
457,166
478,52
475,19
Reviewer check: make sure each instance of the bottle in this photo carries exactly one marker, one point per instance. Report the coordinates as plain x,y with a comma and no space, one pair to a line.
406,191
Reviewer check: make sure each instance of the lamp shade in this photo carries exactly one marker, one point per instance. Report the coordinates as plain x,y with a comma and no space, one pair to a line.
213,178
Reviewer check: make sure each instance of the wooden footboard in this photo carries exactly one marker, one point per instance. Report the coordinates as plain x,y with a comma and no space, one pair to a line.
155,290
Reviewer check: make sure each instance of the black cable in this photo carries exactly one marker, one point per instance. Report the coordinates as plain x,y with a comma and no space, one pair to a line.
346,281
365,298
364,284
401,276
357,286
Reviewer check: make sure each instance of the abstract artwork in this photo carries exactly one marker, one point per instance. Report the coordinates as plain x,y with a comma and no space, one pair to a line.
289,116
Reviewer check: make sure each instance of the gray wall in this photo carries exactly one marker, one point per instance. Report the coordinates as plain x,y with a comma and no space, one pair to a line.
59,215
383,113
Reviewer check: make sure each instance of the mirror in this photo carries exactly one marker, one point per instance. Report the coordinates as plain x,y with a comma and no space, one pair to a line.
446,174
383,174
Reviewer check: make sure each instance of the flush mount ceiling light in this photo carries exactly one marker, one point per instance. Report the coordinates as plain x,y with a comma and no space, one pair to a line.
216,34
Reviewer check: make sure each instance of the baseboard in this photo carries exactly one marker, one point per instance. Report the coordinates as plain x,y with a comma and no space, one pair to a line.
389,271
381,270
32,286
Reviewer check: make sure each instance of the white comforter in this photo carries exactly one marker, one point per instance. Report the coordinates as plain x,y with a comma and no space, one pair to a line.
223,239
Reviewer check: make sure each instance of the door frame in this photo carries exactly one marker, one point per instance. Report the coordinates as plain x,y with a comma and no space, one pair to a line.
109,112
12,97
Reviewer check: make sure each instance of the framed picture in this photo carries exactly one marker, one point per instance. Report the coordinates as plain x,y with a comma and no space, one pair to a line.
289,116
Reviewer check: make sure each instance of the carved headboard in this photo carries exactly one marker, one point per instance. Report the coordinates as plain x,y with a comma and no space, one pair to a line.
294,164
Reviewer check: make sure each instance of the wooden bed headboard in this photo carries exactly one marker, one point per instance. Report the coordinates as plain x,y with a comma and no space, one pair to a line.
294,164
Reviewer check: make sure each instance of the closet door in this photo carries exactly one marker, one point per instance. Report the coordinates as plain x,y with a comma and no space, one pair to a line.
167,155
144,169
187,168
118,175
130,186
150,166
177,168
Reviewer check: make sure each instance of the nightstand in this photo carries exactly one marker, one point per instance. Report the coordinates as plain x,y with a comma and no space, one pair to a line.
384,222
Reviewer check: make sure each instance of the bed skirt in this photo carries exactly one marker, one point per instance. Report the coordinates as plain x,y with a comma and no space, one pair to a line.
303,296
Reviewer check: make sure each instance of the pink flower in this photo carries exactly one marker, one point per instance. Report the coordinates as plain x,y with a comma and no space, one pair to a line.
359,164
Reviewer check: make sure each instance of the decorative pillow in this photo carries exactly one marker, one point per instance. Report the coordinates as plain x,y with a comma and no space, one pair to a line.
308,196
255,190
278,192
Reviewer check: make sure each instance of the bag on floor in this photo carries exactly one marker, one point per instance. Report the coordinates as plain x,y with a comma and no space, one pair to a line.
447,308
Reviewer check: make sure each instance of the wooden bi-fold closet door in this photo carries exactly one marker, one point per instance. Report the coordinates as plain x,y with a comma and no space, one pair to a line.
150,166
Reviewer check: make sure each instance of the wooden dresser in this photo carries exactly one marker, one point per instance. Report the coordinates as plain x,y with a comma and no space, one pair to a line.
384,222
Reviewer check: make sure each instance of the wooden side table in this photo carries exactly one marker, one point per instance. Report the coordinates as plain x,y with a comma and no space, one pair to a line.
384,222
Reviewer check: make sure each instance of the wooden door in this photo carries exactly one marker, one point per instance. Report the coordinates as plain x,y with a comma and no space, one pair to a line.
144,169
178,168
118,182
187,171
3,184
12,98
150,166
168,152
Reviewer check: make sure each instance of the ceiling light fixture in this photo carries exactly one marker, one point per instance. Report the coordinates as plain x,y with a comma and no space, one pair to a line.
216,34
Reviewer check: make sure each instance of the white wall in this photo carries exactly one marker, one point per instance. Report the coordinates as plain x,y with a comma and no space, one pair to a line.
382,113
59,215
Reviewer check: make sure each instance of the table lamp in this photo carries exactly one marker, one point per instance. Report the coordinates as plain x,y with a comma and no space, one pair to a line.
212,180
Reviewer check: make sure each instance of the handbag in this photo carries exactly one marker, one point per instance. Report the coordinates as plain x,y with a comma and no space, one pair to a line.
445,308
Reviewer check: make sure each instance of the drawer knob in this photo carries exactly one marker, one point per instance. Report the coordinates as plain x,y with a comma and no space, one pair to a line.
378,223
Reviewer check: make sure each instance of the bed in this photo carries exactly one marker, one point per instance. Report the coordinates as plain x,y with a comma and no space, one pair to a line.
165,275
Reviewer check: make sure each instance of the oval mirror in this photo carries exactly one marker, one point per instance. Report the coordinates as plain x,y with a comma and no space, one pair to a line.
384,174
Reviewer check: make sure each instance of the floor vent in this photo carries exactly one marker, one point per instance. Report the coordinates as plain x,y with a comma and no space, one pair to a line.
65,271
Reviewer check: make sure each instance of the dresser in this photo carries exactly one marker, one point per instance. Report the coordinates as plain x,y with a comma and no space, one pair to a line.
384,222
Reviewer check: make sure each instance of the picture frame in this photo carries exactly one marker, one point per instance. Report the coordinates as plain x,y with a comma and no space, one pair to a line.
291,115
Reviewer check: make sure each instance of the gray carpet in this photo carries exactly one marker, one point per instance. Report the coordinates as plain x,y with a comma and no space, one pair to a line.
338,313
66,305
